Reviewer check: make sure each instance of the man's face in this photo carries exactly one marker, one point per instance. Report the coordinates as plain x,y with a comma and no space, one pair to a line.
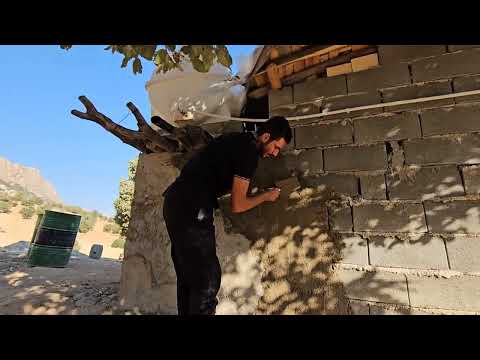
270,148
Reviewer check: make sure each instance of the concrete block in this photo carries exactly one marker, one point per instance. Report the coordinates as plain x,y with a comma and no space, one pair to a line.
415,252
308,109
351,101
340,219
356,158
464,253
386,127
447,66
353,249
338,183
281,97
308,162
322,87
359,308
404,53
373,187
466,83
453,294
391,217
460,149
323,135
471,177
286,111
453,48
374,286
287,186
425,183
378,78
270,170
461,216
380,310
451,120
417,91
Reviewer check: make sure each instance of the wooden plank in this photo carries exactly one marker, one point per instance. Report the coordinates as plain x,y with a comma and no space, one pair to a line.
337,52
281,71
319,68
333,54
261,79
283,50
274,54
309,62
359,47
288,69
342,69
272,73
324,58
294,58
365,62
298,66
263,58
316,60
345,49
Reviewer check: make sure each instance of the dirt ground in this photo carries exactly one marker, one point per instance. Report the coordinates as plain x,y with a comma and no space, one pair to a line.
85,286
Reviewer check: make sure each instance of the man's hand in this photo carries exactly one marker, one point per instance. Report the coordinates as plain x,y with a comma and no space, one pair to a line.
242,202
272,194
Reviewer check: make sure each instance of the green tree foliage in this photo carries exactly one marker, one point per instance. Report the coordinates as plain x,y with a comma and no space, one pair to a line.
119,243
168,57
5,206
111,228
27,212
123,204
88,222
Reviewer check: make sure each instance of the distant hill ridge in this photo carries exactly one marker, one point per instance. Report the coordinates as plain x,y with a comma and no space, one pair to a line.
28,178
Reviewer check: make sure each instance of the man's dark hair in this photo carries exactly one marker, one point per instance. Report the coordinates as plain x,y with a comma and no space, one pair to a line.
278,127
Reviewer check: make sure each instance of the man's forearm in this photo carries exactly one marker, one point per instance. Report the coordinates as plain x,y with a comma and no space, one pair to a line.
248,203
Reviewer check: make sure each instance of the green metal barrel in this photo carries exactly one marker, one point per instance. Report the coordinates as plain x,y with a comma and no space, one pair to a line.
53,239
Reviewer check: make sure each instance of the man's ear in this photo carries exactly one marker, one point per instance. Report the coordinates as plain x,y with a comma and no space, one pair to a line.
265,137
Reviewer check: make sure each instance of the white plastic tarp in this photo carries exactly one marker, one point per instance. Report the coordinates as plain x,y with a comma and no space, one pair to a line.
175,94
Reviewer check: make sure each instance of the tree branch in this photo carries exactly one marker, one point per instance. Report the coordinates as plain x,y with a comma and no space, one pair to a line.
147,140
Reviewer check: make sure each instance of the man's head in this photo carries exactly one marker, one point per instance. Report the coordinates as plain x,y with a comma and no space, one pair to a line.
273,135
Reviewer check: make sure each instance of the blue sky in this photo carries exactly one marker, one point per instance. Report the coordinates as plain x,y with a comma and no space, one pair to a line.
40,85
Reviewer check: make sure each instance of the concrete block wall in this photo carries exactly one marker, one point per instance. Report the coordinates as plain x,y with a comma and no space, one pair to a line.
401,183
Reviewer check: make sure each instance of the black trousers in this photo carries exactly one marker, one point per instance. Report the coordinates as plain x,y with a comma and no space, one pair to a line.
193,253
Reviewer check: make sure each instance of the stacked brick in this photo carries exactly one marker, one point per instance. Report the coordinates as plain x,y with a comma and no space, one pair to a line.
407,176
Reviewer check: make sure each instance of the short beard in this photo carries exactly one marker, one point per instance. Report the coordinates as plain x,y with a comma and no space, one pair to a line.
262,149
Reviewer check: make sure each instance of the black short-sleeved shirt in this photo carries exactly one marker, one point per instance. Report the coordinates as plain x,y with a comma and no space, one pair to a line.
209,174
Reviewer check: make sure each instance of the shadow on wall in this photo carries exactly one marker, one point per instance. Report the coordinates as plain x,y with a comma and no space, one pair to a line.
296,255
297,246
83,287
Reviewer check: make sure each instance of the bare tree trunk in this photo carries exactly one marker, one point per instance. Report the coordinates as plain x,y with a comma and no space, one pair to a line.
148,279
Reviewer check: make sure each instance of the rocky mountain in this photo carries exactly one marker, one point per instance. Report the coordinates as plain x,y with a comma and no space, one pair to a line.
29,178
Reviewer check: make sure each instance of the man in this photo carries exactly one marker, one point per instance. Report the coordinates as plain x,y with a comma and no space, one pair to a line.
225,165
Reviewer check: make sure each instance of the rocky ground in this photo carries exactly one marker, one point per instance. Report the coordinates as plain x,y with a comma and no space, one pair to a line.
85,286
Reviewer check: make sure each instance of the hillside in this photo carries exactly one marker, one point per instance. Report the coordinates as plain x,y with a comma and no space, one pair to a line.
27,178
19,209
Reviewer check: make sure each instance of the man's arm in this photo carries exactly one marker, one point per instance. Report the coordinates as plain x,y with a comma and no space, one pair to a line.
241,202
